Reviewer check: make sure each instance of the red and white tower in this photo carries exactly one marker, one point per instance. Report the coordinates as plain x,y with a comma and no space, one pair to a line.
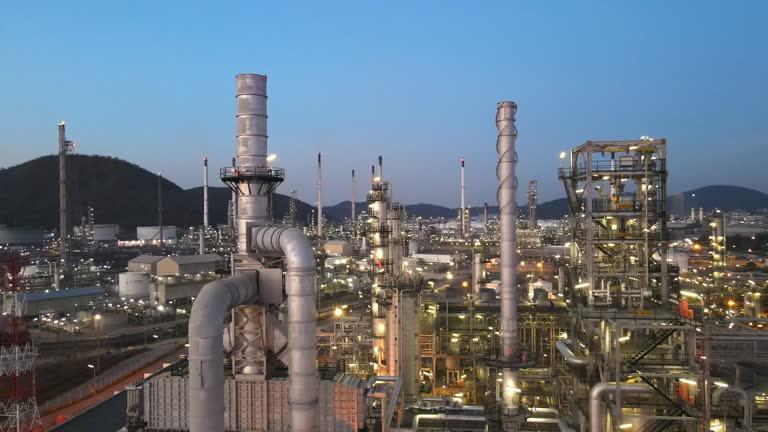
18,406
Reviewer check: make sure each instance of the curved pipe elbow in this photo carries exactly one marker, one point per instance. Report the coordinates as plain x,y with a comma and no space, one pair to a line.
600,390
216,299
570,358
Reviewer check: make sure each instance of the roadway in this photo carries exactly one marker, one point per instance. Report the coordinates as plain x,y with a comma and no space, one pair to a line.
105,409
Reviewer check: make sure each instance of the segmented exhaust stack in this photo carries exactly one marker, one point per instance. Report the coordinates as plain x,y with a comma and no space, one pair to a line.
505,171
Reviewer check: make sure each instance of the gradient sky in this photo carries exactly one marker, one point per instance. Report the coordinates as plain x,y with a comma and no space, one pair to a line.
416,81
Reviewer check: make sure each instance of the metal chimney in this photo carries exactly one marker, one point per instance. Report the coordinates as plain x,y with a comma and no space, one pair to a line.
353,197
205,192
505,170
319,195
63,217
462,216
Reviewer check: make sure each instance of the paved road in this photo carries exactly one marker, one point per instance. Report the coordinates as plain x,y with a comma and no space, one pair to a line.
79,412
108,416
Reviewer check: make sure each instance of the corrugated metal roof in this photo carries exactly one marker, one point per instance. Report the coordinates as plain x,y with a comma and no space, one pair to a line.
72,292
195,259
146,259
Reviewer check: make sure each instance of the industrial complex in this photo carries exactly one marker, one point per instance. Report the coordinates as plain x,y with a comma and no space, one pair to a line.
625,315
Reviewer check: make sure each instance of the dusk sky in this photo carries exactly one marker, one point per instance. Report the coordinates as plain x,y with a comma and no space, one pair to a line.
415,81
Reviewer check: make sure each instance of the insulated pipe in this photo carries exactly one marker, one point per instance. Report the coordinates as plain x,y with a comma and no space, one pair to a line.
295,247
205,192
251,119
206,346
600,390
570,358
746,400
505,171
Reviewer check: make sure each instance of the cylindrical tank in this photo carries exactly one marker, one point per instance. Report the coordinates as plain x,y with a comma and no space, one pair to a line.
133,284
413,247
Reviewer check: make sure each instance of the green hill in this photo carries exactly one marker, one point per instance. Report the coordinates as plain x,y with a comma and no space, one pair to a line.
119,191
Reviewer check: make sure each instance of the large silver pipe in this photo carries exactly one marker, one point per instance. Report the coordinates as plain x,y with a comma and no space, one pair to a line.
63,222
745,399
206,346
251,119
295,247
505,171
570,358
600,390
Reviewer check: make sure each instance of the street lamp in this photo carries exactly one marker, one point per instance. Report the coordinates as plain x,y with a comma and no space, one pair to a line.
96,321
94,376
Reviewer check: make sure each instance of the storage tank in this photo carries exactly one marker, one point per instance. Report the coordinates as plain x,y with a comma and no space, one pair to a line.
133,284
106,232
153,232
21,236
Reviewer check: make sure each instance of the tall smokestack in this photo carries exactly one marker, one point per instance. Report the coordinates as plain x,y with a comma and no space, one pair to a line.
319,196
505,123
381,168
353,196
253,178
205,192
701,214
63,215
533,200
485,218
462,215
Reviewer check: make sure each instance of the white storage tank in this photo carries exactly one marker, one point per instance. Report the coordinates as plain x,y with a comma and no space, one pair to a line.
21,236
153,232
133,284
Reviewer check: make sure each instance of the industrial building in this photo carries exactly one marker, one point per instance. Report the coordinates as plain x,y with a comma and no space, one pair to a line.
188,264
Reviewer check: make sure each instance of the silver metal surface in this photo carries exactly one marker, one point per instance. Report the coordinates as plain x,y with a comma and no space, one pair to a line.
505,171
296,249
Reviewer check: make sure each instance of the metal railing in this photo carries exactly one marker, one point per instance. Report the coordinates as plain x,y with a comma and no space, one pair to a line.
618,166
112,375
244,172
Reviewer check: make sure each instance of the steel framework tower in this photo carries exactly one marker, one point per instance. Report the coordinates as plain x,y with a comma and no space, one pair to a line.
616,192
18,406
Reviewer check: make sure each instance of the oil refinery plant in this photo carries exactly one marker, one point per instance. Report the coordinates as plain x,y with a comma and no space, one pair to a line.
494,320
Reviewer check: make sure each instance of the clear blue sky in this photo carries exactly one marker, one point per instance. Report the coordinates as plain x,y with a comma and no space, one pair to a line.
417,81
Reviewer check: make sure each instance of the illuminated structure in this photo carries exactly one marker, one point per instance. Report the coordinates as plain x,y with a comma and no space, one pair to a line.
617,197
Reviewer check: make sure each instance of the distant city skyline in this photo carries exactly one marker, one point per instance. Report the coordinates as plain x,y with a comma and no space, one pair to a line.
153,83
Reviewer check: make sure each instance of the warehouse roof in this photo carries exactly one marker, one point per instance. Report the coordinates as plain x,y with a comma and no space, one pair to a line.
195,259
146,259
71,292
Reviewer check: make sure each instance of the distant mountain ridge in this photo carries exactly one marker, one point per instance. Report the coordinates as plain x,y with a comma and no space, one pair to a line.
120,192
124,193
